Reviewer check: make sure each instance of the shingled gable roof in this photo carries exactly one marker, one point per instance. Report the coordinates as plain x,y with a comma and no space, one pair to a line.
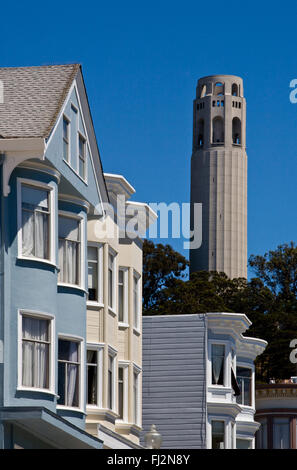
33,97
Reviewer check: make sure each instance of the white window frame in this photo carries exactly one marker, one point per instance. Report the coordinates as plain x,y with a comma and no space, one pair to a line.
136,419
52,354
112,308
113,353
52,225
80,340
137,317
125,321
125,366
66,118
99,348
99,301
227,363
81,221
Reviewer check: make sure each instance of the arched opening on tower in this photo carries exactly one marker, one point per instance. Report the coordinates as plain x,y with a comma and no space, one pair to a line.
234,89
236,131
218,89
200,133
203,91
217,130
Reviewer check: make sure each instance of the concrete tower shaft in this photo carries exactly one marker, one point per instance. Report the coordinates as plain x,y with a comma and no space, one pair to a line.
219,175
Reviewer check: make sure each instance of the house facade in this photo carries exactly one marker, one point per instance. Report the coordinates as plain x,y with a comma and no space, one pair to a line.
199,380
114,319
51,185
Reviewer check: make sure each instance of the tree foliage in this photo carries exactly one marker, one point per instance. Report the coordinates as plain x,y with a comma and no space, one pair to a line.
269,299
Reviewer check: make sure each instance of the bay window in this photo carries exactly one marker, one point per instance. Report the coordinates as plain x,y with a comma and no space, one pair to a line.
94,273
217,434
244,380
36,360
217,363
92,377
36,230
70,250
123,295
69,370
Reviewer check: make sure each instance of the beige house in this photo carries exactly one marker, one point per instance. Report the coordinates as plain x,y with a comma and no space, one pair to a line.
114,318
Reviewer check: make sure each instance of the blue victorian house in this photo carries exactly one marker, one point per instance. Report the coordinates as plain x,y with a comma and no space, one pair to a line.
51,184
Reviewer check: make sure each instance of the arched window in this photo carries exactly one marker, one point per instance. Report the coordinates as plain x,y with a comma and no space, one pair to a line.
234,90
217,130
203,91
236,131
200,133
218,89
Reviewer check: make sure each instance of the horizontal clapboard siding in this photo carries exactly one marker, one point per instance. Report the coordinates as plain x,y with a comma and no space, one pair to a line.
173,387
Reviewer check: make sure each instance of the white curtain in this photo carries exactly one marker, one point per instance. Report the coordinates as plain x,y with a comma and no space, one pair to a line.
72,375
35,354
69,250
218,354
71,256
28,233
41,235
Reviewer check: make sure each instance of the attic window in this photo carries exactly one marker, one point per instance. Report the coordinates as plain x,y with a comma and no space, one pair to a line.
66,133
81,156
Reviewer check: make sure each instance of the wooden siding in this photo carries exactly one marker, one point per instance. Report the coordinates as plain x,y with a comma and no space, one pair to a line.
174,380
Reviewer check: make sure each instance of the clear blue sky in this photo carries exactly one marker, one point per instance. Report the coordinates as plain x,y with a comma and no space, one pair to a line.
141,62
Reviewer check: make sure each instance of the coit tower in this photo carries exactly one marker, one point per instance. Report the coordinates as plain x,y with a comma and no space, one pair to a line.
219,175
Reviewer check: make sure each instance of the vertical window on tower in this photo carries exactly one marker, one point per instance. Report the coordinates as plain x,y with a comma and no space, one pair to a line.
217,130
236,131
200,132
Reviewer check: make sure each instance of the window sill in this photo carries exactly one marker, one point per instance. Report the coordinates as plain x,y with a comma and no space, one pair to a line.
72,286
123,325
136,331
93,304
112,312
37,390
71,408
37,260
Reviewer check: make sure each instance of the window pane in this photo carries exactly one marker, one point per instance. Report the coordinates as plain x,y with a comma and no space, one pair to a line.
244,380
34,197
281,433
35,353
110,382
92,377
65,150
81,141
110,280
121,392
135,301
217,434
135,390
68,350
92,253
218,359
121,295
65,128
68,228
68,370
